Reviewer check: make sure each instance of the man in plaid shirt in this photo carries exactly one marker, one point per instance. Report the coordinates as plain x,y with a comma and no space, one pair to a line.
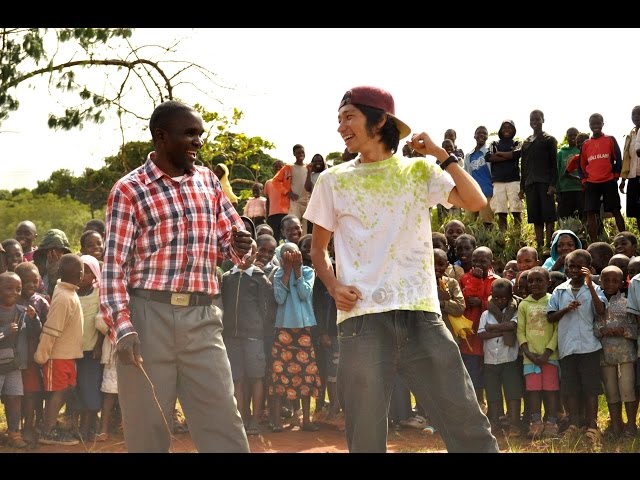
168,222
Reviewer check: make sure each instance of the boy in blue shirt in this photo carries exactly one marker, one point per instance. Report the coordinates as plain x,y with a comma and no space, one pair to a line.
575,304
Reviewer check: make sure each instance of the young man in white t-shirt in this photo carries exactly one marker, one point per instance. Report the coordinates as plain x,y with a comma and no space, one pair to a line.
389,322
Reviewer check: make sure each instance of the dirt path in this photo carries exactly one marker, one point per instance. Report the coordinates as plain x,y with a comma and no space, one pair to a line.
327,440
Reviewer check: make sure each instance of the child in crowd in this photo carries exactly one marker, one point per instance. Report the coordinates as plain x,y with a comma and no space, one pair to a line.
538,339
266,261
564,242
555,279
622,262
91,243
601,253
476,288
247,297
504,158
452,230
294,370
575,305
526,258
326,314
53,246
634,267
60,344
449,292
26,234
263,229
510,271
618,334
17,325
465,246
570,197
96,225
521,284
32,402
109,384
497,329
256,207
599,168
439,240
13,253
476,165
89,368
625,243
449,147
290,232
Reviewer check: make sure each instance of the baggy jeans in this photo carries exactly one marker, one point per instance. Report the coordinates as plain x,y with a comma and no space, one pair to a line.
418,346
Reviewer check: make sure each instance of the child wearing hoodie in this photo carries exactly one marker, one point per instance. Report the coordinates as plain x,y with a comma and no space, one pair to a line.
504,156
564,242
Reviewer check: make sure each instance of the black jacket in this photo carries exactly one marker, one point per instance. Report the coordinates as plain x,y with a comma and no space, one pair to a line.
248,303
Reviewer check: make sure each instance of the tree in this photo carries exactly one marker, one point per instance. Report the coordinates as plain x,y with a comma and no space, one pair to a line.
245,156
333,158
62,54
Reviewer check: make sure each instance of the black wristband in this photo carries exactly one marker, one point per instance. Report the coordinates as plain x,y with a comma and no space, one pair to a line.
451,159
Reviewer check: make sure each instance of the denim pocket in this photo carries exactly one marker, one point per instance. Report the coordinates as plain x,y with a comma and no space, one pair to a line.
351,327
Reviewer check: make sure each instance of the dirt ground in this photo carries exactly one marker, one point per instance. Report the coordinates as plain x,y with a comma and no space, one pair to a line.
329,439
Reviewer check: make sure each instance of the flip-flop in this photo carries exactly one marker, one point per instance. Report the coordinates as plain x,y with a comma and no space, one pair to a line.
277,429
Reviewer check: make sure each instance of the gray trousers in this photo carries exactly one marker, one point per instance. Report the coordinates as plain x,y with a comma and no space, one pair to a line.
185,358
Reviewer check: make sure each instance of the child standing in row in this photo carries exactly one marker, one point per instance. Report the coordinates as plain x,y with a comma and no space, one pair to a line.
17,323
59,347
89,368
618,333
575,305
294,370
497,329
538,339
32,382
476,288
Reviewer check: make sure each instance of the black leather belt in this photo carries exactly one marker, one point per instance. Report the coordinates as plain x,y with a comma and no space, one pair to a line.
181,299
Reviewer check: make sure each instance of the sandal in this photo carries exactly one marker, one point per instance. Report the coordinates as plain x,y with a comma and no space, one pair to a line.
276,429
101,437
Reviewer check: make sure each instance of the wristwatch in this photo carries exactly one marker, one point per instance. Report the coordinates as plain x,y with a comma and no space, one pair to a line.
451,159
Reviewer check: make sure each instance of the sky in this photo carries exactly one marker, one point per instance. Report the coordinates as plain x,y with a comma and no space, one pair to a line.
289,83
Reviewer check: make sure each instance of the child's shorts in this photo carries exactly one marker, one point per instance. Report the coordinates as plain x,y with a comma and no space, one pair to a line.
109,379
246,356
11,383
502,377
548,380
59,374
89,382
581,373
619,382
506,197
32,378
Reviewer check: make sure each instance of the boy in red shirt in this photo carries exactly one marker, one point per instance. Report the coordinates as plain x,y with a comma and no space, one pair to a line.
599,168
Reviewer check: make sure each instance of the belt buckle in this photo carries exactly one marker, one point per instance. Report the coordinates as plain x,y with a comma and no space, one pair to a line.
180,299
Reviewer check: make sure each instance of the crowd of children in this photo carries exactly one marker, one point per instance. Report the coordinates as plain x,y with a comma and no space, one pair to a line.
542,336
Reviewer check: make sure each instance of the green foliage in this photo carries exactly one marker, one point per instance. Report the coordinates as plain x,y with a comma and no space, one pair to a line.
244,156
60,56
333,158
46,211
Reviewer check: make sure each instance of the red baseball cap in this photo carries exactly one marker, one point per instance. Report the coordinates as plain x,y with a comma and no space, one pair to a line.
376,98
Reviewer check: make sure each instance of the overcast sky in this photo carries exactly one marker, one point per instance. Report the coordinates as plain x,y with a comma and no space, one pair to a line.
289,83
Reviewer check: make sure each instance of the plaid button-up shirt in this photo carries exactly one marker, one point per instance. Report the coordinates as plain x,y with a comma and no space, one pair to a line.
164,235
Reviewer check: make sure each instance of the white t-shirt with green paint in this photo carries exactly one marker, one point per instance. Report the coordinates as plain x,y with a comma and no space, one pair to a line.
379,213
